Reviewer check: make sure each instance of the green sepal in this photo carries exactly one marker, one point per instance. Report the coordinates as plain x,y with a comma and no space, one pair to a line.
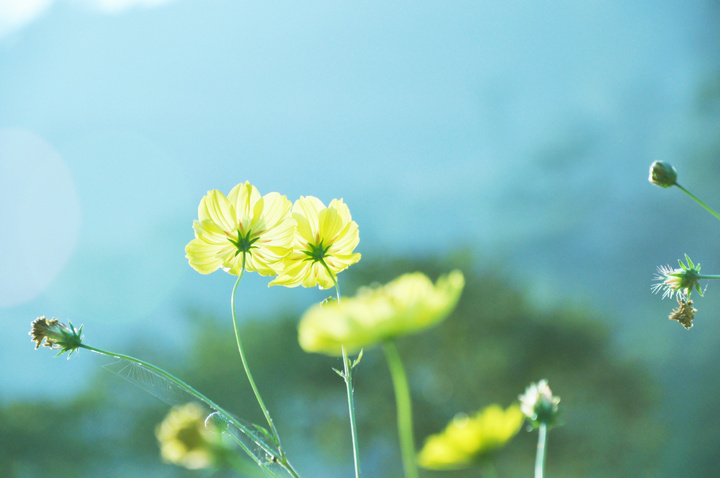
357,360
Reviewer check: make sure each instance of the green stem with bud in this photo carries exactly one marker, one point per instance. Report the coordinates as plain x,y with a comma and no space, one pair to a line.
707,208
347,376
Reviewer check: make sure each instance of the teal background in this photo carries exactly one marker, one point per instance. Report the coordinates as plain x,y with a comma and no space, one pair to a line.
521,132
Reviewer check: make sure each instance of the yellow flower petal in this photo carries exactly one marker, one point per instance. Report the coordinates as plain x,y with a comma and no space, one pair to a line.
215,207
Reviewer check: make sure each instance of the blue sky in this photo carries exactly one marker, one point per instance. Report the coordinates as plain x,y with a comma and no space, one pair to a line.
524,129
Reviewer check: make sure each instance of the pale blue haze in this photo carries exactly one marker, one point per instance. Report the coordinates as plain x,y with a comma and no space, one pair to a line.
523,129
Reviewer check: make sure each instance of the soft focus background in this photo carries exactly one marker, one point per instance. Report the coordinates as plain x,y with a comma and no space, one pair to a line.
511,139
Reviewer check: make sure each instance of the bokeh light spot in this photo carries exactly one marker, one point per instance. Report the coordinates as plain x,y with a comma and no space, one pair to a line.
39,212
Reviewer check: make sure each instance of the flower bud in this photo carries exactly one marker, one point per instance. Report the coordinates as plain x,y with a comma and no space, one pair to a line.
663,174
539,405
56,335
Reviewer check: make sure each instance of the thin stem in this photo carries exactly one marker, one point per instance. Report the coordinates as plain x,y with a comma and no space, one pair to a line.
332,276
404,408
540,456
229,417
273,430
702,276
351,406
244,361
347,376
707,208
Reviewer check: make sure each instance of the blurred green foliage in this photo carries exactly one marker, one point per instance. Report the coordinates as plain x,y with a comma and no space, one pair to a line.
488,351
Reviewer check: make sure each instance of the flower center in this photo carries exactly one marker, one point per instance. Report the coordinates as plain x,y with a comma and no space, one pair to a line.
244,243
317,252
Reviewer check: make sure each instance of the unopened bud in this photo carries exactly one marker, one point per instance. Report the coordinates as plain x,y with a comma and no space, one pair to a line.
663,174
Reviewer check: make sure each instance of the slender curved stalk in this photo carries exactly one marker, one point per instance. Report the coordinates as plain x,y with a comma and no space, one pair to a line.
282,460
707,208
540,455
266,412
244,361
404,408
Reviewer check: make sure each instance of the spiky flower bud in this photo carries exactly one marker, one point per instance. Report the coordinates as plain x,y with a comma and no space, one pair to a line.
663,174
681,281
56,335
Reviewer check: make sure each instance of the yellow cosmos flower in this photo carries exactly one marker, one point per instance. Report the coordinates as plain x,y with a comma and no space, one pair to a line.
407,304
241,226
468,439
185,440
324,242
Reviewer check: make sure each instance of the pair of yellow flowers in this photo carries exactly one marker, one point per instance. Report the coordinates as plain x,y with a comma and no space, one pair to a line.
308,244
303,244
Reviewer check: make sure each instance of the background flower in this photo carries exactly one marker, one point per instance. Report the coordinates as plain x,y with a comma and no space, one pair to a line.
324,240
407,304
185,440
243,223
468,439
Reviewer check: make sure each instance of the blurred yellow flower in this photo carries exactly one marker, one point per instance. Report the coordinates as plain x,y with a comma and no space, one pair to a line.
324,242
407,304
468,439
185,440
242,224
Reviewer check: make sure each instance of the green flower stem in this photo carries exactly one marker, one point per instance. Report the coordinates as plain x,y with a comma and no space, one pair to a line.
701,276
245,365
540,456
332,276
229,417
347,376
707,208
351,406
404,408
